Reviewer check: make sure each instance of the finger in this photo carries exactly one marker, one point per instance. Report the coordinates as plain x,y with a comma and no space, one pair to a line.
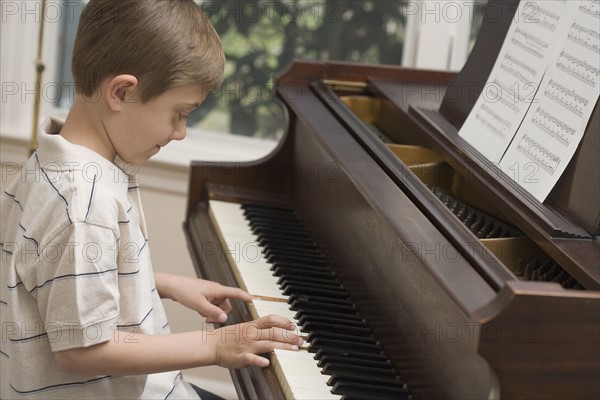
225,306
253,359
281,336
274,335
269,346
211,312
272,321
235,293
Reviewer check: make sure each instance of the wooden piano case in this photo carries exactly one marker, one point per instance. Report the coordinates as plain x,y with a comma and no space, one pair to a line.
456,314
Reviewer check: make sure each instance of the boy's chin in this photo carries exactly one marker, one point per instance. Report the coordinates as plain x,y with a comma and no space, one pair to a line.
140,159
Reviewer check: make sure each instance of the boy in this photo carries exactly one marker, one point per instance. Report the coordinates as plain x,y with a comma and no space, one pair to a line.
80,306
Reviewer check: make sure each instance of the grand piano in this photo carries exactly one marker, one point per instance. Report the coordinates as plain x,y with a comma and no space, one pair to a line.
413,267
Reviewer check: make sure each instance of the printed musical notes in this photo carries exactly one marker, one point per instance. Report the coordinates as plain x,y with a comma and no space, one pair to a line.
577,68
536,152
553,126
568,98
518,71
588,38
535,11
591,8
529,43
546,82
552,129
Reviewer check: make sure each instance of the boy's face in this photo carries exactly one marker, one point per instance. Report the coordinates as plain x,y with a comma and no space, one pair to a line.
143,128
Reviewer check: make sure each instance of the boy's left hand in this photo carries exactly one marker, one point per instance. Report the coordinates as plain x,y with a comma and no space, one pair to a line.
209,299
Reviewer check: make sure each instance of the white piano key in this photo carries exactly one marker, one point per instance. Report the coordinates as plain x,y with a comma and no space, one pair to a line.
244,252
258,288
300,376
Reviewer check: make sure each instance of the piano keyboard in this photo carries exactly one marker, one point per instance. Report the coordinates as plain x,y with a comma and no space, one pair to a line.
275,259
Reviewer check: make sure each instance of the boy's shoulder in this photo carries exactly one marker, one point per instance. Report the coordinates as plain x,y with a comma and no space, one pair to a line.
63,183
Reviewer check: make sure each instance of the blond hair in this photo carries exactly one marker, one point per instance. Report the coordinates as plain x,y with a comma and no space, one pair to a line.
163,43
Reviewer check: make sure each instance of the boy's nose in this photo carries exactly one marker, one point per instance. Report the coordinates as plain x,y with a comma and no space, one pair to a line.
179,133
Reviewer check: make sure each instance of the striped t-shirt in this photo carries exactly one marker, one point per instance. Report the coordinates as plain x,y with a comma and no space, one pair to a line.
75,268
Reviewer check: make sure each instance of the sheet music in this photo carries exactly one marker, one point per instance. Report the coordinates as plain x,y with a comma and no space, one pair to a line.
554,125
541,92
515,78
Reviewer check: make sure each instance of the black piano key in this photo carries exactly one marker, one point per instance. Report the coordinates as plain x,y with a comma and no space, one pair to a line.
340,345
268,209
350,359
271,212
300,267
285,282
274,257
277,239
290,233
322,354
334,378
485,229
461,212
253,215
371,392
359,371
325,314
266,239
554,270
343,329
308,280
312,326
520,269
320,308
287,252
311,273
546,266
340,337
316,290
477,224
470,217
264,219
529,268
495,232
561,277
299,253
272,215
283,228
308,301
304,319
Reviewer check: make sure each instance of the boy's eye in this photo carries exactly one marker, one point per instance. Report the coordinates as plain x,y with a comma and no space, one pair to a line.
183,116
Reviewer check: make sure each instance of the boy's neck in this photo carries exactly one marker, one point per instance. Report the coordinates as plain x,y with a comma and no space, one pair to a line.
84,126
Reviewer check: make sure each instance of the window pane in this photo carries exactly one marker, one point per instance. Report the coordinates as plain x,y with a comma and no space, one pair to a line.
478,7
71,10
262,37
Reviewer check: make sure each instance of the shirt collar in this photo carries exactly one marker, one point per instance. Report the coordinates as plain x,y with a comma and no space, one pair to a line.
57,154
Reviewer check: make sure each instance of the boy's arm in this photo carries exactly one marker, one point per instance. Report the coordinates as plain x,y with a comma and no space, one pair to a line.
210,299
233,346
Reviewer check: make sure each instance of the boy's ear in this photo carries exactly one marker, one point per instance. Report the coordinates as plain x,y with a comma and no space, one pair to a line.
122,89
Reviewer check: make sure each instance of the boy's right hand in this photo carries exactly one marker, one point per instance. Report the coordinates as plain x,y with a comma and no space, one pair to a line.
238,346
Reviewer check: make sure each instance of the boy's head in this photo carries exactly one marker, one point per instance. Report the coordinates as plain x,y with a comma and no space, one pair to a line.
163,43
